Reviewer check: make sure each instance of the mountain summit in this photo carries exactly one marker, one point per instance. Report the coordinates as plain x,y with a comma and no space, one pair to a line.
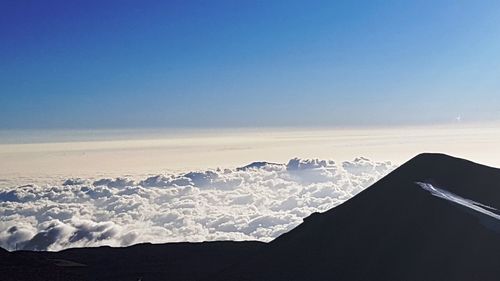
434,218
397,229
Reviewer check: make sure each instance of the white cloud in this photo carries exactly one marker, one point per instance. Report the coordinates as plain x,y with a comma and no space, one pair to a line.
256,202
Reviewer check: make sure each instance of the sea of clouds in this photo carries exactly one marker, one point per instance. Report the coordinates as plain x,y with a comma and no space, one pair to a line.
256,202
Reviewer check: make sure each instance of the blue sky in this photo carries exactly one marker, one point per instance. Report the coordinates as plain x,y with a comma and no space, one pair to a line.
136,64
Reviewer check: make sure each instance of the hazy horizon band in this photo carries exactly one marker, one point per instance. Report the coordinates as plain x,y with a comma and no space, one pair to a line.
65,154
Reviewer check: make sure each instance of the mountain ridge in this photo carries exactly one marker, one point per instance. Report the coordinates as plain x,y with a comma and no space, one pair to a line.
391,220
393,230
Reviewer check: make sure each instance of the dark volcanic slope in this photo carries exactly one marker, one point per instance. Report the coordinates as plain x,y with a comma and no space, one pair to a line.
394,230
172,261
20,267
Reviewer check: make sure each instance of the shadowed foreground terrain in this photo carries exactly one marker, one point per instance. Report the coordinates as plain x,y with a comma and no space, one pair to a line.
434,218
172,261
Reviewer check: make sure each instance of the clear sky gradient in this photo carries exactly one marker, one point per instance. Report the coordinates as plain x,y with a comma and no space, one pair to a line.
137,64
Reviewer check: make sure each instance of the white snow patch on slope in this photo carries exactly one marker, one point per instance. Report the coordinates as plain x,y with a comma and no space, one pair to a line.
449,196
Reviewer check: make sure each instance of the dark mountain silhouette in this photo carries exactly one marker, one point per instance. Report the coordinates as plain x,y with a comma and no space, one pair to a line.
397,229
393,230
171,261
26,266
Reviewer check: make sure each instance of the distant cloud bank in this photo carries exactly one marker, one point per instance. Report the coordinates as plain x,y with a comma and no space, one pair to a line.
256,202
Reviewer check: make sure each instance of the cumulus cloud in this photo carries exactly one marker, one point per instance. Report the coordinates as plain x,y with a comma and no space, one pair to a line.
257,202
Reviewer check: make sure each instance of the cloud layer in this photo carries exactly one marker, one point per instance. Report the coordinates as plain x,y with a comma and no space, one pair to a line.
256,202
